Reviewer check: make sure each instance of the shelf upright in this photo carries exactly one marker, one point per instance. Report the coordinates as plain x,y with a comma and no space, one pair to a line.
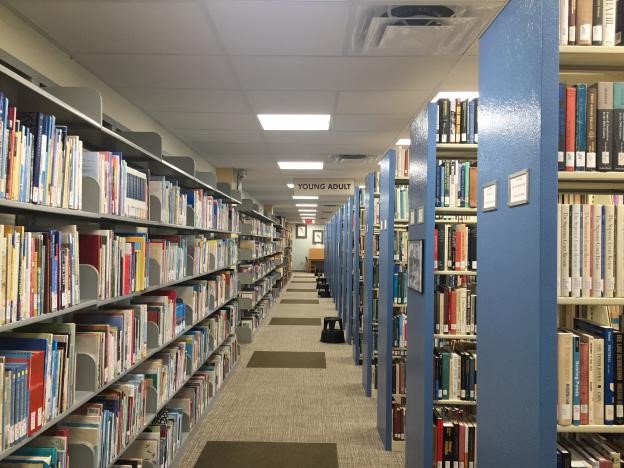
348,270
386,270
356,306
518,93
367,286
340,247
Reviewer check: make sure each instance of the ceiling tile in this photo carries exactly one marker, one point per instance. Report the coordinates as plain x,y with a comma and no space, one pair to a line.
230,148
464,77
122,26
292,149
381,102
186,100
292,102
368,123
164,71
280,28
341,73
338,138
207,120
220,136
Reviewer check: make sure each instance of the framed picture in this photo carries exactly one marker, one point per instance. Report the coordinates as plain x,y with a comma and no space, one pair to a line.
302,231
317,237
415,265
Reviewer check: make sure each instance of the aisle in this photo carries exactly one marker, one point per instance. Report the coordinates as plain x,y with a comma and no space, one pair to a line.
309,405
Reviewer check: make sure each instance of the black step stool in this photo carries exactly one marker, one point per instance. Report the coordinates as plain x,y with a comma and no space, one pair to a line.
330,333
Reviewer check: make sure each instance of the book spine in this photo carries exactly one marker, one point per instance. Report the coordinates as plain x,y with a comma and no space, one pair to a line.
562,127
619,378
572,22
576,381
564,380
564,23
597,23
584,22
591,128
570,128
608,22
618,126
584,378
581,140
604,126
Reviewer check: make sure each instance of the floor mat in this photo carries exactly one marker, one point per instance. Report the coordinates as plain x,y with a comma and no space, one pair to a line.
299,301
287,360
294,321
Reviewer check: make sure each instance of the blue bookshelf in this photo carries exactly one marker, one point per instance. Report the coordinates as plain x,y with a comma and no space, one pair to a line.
367,286
348,270
386,271
356,307
518,82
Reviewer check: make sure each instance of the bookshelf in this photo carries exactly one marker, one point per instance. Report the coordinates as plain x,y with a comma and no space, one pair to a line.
391,282
356,278
368,287
347,270
80,112
261,257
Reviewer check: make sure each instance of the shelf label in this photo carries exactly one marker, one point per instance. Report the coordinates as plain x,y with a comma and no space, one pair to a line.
323,186
411,220
518,188
490,192
420,218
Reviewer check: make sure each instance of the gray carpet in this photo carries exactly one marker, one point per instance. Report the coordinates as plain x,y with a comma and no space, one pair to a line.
300,290
234,454
299,301
303,282
294,321
287,360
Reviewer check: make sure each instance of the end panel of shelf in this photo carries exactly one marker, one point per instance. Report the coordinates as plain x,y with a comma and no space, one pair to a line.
367,326
386,270
518,92
420,307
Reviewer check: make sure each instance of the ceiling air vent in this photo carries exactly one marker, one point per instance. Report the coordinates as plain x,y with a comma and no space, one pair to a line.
416,29
351,159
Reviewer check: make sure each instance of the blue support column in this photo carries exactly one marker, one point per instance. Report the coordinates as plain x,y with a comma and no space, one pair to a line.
386,271
367,335
355,310
419,433
348,276
518,115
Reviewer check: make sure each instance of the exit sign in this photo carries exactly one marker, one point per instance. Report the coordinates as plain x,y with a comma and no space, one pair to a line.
308,221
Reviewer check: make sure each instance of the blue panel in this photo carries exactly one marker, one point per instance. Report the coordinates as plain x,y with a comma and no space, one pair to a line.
419,434
348,276
355,310
367,336
516,290
386,270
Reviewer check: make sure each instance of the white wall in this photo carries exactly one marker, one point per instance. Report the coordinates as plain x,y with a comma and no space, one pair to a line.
30,51
302,246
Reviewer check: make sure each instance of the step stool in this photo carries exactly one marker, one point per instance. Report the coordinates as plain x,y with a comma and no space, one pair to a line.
330,333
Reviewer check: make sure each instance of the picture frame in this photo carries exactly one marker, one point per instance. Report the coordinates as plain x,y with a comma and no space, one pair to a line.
317,236
415,265
301,231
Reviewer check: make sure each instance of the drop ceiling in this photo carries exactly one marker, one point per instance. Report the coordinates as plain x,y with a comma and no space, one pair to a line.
204,69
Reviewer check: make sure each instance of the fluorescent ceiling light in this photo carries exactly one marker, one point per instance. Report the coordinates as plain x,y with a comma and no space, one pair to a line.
305,197
290,185
294,121
307,204
302,165
307,210
455,95
362,186
403,142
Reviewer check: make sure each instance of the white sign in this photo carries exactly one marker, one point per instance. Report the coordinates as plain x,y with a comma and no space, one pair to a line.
322,186
518,188
421,215
489,196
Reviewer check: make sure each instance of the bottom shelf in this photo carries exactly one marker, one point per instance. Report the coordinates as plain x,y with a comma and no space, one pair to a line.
186,436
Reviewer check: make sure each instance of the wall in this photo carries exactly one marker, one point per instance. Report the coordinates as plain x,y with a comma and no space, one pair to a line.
302,246
30,51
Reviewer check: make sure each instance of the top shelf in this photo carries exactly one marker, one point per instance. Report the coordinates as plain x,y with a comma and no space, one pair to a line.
80,109
591,58
454,151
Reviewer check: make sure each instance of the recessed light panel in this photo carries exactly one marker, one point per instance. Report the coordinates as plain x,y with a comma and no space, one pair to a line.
305,197
294,121
306,204
290,185
300,165
403,142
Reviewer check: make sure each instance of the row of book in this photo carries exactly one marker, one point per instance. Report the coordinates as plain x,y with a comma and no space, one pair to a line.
39,161
252,249
398,376
454,438
456,184
376,212
254,292
398,421
402,162
591,22
162,439
110,421
455,307
399,330
252,272
455,247
399,246
41,361
591,119
457,121
455,374
401,203
589,379
254,227
399,284
253,318
590,231
589,450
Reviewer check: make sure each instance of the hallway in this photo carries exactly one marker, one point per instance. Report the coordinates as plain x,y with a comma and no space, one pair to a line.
303,405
